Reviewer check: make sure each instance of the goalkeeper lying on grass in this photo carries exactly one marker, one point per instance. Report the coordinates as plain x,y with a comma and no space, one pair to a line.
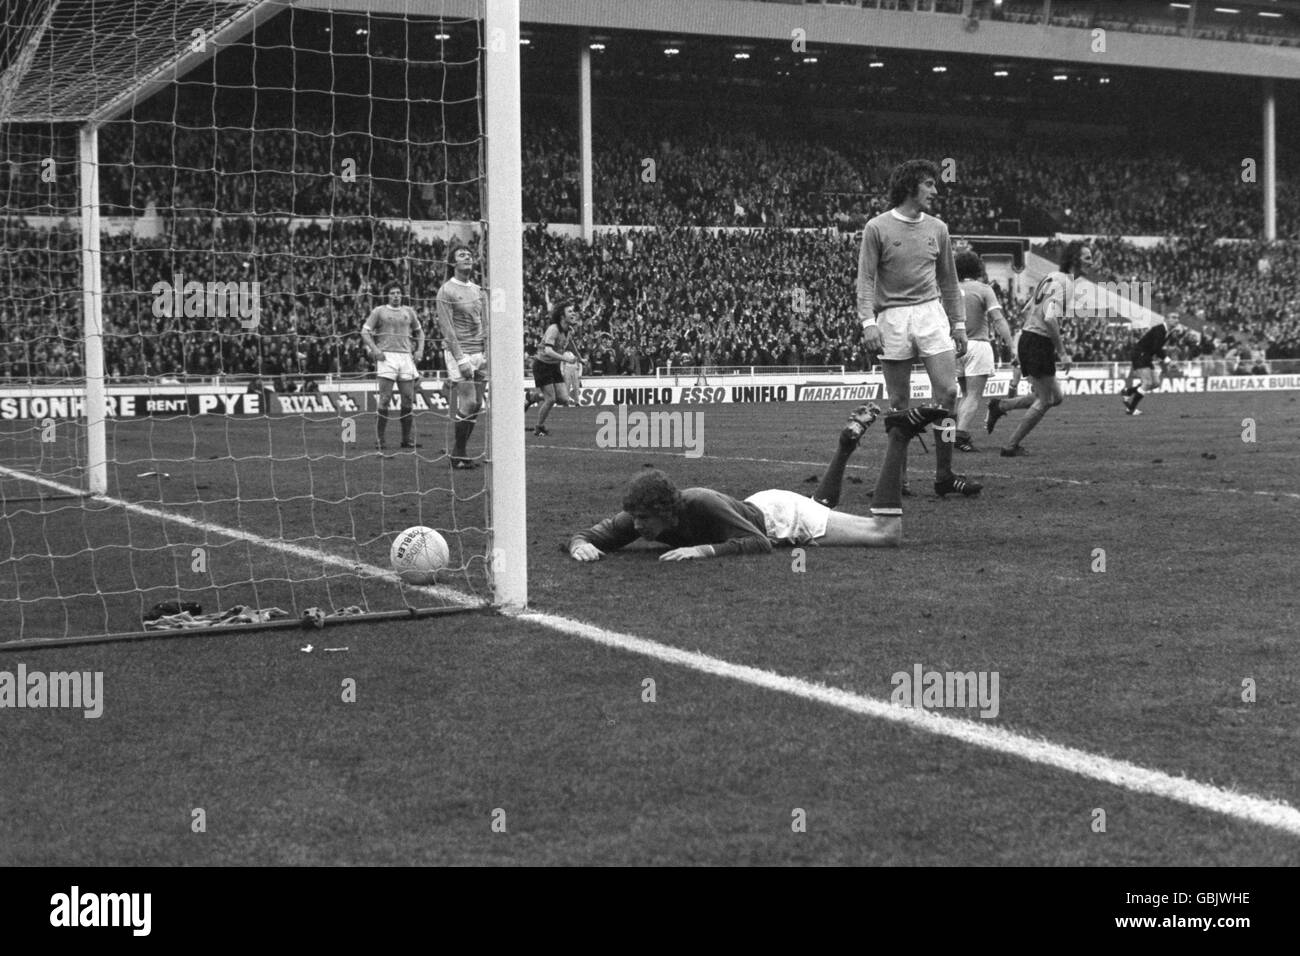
703,523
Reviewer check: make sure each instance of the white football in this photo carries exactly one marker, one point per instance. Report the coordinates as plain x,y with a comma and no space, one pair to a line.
418,554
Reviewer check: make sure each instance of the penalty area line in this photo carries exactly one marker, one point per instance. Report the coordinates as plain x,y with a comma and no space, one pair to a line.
451,595
1118,773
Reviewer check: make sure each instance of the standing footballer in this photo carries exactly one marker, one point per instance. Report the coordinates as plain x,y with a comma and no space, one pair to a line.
983,312
910,304
1145,351
1040,345
548,363
387,335
462,316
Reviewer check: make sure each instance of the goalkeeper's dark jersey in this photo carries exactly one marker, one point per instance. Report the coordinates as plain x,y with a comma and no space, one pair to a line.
1151,345
708,517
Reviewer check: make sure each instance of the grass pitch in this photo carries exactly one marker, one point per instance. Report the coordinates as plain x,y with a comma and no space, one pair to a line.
458,718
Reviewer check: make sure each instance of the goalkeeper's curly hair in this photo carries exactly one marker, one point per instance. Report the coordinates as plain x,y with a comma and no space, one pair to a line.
652,492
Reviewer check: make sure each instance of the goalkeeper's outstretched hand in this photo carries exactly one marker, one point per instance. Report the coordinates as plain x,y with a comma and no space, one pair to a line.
687,554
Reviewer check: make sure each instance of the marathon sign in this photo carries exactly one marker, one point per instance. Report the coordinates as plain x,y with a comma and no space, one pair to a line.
26,405
865,392
686,395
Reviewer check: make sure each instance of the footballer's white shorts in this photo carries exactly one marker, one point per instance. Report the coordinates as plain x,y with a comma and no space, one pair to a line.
478,362
397,367
978,359
790,517
909,331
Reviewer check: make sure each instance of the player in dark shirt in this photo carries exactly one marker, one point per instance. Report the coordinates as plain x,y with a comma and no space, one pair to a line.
1150,346
552,354
703,523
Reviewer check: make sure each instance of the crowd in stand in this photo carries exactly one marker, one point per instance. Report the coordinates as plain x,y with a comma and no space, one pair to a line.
669,295
666,166
662,165
649,299
156,166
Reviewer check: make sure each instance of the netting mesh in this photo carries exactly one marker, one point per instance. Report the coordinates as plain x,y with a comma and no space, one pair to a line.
253,206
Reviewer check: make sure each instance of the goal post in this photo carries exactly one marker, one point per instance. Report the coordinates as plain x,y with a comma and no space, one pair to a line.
92,306
509,554
196,222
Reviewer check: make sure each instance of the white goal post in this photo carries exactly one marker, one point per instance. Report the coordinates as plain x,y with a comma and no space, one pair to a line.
506,272
140,51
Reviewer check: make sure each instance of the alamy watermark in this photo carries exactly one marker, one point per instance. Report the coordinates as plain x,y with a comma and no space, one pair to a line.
37,689
927,690
210,300
77,909
675,429
1105,300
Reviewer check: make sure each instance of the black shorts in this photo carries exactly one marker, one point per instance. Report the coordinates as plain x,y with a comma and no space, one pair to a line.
1142,359
547,373
1037,355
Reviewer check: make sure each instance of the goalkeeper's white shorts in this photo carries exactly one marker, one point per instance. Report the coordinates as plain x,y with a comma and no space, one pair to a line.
790,517
397,367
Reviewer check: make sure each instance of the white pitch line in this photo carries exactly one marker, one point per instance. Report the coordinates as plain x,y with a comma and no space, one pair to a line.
1184,489
1119,773
442,592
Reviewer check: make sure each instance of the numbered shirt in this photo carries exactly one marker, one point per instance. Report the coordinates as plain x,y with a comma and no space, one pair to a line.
393,329
1048,302
463,312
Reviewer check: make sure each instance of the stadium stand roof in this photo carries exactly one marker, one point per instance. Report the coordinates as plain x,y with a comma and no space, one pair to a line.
90,60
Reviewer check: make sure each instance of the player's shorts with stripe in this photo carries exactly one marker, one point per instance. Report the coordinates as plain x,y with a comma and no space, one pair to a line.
478,362
909,331
790,517
978,359
1143,359
1037,355
397,367
546,373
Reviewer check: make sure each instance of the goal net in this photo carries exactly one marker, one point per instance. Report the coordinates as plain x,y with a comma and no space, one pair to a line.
203,200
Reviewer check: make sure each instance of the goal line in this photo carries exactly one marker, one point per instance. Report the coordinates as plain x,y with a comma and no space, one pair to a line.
457,602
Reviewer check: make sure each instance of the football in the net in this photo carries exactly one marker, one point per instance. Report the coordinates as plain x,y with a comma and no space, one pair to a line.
418,554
